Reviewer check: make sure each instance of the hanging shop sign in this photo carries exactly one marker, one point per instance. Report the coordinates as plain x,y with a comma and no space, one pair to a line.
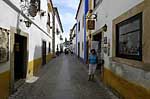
33,9
91,24
4,46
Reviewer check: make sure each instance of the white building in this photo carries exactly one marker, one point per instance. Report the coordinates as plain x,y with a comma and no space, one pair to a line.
73,39
122,29
24,48
80,29
122,34
58,31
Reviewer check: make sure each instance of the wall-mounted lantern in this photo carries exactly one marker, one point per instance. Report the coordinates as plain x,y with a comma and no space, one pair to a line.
92,16
105,28
27,23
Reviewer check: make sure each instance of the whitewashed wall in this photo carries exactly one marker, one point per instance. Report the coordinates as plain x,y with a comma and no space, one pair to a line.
107,11
81,32
74,41
74,45
57,37
9,18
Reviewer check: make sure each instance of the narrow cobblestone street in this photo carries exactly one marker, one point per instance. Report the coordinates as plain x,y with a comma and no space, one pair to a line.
63,78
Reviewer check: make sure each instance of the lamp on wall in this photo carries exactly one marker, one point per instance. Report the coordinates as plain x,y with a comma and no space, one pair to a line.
92,16
27,23
104,28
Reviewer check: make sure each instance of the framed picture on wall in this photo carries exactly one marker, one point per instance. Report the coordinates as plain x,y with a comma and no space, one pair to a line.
105,40
4,45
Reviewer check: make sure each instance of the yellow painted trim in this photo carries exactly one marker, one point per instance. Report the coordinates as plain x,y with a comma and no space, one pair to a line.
91,5
125,88
33,68
49,7
4,85
35,65
49,57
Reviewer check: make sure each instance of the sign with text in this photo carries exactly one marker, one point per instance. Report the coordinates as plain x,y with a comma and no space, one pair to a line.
91,24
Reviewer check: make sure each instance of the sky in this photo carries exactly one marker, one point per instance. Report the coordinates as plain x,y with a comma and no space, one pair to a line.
67,10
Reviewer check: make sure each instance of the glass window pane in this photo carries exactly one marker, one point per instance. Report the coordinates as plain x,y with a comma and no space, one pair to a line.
130,44
129,27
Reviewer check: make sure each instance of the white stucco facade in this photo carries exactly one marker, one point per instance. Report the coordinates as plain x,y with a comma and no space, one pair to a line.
80,33
37,32
107,11
73,36
58,41
107,15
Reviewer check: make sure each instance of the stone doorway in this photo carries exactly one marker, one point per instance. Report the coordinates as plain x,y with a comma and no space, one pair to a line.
43,53
20,61
18,58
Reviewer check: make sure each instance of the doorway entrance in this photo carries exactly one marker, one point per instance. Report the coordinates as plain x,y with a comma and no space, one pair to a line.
98,37
43,53
78,49
87,51
20,57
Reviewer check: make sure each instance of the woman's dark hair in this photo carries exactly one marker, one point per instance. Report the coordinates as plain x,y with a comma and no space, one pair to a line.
93,50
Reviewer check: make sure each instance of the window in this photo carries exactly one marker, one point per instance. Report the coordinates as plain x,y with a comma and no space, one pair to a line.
48,20
49,49
97,2
129,38
57,31
79,26
39,5
83,21
82,46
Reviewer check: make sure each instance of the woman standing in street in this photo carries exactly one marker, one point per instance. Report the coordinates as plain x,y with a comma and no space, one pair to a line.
92,64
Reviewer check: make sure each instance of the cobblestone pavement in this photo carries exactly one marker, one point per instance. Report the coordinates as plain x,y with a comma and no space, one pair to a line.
63,78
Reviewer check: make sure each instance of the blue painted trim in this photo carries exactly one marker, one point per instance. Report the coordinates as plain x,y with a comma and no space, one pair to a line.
86,6
85,12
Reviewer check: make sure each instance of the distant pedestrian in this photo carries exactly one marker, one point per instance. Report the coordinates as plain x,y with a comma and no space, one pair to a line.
92,64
